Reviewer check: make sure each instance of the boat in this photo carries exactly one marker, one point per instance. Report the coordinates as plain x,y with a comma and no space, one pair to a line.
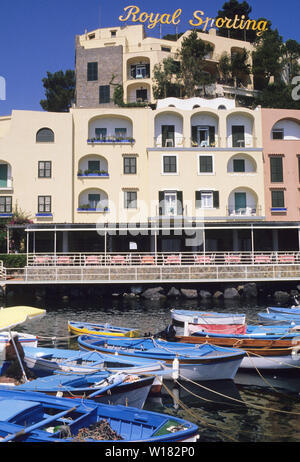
186,319
266,347
37,417
103,387
10,318
291,311
206,362
76,327
279,318
45,361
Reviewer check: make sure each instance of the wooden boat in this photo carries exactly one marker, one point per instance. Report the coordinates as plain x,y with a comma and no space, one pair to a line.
262,352
103,387
101,329
37,417
44,361
202,363
182,320
279,318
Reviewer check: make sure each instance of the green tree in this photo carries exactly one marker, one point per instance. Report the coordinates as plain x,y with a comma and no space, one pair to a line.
290,60
192,64
235,69
166,79
277,95
59,91
267,59
230,9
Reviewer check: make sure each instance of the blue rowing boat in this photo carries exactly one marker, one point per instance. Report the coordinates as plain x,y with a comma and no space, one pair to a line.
44,361
291,311
203,362
37,417
279,318
103,387
90,328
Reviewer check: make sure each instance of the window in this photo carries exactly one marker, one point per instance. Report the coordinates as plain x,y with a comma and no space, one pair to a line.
92,71
93,199
129,165
207,199
44,204
277,199
93,166
6,204
205,164
113,33
169,164
130,200
45,169
120,133
45,135
238,165
238,136
167,49
277,134
101,133
168,135
104,94
276,169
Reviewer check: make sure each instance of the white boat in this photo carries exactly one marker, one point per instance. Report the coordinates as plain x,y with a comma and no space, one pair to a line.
186,322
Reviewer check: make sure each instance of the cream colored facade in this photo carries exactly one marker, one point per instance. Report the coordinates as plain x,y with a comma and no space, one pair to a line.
72,187
139,49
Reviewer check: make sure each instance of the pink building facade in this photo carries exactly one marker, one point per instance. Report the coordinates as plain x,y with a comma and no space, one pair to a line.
281,155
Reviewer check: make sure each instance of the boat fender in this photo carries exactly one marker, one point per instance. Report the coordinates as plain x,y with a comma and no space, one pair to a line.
116,353
175,373
295,329
296,348
59,394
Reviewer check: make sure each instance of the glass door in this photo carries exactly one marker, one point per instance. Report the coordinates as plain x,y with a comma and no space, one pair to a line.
170,203
3,175
240,202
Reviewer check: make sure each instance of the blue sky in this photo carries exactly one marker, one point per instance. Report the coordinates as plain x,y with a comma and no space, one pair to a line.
37,36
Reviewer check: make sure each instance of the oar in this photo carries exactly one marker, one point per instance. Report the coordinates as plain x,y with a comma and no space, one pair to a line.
29,429
18,356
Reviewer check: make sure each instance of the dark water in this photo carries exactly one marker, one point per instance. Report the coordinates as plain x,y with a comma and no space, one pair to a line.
255,407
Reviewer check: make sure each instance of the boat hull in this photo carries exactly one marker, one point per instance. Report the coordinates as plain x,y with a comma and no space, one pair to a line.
264,354
219,366
101,329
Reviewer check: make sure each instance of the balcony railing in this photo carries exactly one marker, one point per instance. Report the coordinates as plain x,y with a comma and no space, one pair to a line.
164,258
243,211
248,141
177,141
112,139
206,144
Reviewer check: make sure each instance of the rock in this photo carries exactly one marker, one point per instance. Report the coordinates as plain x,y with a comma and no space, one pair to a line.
250,290
137,290
189,293
281,297
154,293
173,293
231,293
218,294
205,294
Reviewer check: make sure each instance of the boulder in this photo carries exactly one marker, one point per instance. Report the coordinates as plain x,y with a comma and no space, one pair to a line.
154,293
173,293
205,294
250,290
189,293
231,293
218,294
281,297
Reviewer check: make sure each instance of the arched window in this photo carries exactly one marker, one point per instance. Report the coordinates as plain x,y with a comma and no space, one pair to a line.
45,135
222,106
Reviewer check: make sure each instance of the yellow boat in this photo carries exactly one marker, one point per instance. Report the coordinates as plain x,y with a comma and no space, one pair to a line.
88,328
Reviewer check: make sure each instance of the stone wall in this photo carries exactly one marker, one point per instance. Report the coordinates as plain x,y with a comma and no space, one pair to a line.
110,62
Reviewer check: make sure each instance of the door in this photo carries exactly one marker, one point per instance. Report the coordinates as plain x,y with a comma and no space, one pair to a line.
238,136
168,135
240,202
3,175
170,203
142,95
94,199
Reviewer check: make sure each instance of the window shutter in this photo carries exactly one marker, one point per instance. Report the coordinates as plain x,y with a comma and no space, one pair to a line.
179,203
104,94
161,199
148,71
194,134
216,199
198,199
212,137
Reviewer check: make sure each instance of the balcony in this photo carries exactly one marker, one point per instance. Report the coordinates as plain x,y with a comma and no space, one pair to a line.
172,142
243,211
111,139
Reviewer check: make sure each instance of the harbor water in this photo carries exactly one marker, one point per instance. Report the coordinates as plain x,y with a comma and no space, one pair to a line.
255,407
